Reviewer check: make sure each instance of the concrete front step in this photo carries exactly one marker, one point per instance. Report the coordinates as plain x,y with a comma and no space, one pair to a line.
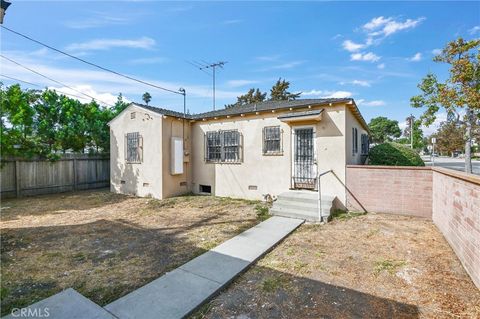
302,204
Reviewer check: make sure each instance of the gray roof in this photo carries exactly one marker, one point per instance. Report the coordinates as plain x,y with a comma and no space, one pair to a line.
248,108
300,114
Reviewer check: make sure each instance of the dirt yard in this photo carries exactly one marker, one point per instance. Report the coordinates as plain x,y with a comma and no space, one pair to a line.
370,266
106,245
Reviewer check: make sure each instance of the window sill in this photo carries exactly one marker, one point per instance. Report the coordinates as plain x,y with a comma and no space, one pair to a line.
127,162
227,163
273,154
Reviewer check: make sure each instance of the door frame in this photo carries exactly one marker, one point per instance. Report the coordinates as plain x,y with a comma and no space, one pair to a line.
293,143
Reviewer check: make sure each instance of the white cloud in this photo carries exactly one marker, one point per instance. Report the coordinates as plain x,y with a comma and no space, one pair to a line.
374,103
232,21
474,30
327,94
436,51
102,19
151,60
101,98
361,83
268,57
104,82
105,44
287,65
370,57
381,26
352,46
239,83
417,57
357,82
381,66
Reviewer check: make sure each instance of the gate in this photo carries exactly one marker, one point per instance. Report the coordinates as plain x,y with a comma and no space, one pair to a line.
304,170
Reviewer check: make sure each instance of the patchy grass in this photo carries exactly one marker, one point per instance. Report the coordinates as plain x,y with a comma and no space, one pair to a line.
105,245
340,214
356,266
391,266
262,211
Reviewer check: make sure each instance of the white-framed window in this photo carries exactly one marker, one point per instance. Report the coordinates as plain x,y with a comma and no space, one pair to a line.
365,144
223,146
272,140
354,140
133,148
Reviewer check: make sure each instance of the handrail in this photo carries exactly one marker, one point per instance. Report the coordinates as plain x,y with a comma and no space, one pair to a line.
320,216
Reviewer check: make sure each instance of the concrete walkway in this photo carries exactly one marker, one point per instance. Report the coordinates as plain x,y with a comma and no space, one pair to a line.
178,293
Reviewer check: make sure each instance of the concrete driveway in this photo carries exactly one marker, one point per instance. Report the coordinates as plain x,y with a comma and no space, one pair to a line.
457,164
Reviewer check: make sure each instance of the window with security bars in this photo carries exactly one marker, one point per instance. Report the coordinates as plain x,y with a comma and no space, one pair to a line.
223,146
272,140
134,147
365,144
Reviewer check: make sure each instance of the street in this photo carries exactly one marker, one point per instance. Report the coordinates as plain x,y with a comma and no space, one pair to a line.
452,163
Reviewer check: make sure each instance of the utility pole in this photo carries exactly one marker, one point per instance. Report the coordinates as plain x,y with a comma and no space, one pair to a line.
411,131
213,66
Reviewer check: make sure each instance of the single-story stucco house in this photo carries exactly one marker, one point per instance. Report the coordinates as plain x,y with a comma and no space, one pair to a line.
244,151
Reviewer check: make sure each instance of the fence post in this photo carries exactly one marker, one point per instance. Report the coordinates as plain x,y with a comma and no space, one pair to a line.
74,174
17,178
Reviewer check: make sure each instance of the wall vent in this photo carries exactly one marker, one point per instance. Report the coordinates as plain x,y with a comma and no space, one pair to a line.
183,183
132,115
206,189
252,187
122,182
146,184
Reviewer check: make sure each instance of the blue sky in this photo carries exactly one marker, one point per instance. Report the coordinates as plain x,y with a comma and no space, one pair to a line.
375,52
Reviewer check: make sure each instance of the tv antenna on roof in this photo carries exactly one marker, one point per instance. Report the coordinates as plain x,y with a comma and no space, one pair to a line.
204,66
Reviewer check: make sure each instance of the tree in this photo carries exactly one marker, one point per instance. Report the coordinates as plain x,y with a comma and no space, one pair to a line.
418,143
146,97
383,129
459,94
279,91
252,96
450,137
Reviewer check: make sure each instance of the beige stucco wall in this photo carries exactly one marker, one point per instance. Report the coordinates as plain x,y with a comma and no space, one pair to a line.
174,185
143,179
270,174
352,122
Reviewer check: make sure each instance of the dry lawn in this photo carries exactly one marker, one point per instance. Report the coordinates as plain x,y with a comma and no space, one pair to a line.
370,266
106,245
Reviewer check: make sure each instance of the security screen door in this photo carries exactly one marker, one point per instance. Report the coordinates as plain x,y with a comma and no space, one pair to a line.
304,169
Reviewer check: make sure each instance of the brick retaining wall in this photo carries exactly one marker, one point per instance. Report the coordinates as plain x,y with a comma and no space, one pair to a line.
390,189
450,198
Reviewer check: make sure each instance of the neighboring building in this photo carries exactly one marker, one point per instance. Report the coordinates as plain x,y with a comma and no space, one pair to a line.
244,151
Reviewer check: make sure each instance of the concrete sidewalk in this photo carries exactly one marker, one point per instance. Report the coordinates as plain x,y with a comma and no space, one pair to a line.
178,293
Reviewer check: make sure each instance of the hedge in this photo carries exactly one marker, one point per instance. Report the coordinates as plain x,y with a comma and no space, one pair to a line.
394,154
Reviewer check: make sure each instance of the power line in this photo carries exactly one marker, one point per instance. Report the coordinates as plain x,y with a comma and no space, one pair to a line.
48,78
38,85
93,64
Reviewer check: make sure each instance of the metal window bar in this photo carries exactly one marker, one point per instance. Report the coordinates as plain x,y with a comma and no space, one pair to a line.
134,147
272,140
223,146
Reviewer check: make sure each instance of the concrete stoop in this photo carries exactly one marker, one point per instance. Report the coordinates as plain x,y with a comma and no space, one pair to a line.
302,204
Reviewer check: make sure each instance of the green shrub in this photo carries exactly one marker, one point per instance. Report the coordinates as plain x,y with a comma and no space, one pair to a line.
394,154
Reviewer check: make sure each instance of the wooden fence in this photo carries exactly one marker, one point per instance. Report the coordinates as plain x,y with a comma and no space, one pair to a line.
27,177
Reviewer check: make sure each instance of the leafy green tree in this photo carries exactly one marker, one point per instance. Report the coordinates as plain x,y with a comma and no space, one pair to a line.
252,96
450,137
418,143
383,129
17,121
459,94
146,97
279,91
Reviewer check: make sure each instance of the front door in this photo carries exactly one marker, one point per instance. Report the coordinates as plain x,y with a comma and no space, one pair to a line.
304,168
